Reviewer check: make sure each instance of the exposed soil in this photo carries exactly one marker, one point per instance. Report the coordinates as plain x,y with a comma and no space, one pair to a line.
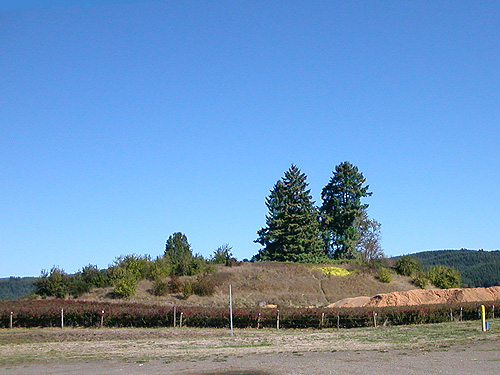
423,297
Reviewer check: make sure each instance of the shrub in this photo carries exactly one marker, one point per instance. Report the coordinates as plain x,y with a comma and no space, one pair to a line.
187,289
175,285
420,280
384,275
408,265
444,277
203,286
160,288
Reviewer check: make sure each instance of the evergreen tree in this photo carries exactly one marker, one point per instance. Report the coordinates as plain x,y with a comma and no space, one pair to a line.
179,254
292,228
342,209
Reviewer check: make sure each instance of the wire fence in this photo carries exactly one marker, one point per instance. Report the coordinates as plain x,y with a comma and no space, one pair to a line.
69,313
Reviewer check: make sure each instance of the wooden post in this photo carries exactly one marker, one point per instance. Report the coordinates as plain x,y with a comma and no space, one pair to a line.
180,320
338,320
322,320
374,319
461,314
278,320
62,318
10,325
493,312
175,313
102,318
451,315
258,321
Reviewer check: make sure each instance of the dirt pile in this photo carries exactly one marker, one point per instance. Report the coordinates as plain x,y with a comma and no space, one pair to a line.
423,297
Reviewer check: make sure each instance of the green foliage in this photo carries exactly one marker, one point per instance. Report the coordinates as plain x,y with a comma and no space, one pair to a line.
178,253
408,265
14,288
187,289
292,229
203,286
53,284
127,272
124,282
477,268
222,255
159,269
444,277
420,280
342,209
384,275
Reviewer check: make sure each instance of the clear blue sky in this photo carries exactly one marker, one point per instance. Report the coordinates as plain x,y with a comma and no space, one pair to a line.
122,122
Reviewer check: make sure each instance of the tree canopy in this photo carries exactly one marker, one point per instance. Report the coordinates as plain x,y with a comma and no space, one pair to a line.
291,233
342,209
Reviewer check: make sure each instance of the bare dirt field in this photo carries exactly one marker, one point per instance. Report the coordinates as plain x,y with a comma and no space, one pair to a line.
451,348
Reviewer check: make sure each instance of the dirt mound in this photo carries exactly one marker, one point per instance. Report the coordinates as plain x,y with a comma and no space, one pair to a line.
423,297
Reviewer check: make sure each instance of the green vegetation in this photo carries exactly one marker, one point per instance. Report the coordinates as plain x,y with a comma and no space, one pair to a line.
477,268
384,275
292,228
441,277
342,209
13,288
297,231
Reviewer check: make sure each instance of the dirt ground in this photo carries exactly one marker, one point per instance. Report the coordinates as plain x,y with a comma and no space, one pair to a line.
454,348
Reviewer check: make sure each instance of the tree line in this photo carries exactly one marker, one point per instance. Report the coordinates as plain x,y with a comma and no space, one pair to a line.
298,231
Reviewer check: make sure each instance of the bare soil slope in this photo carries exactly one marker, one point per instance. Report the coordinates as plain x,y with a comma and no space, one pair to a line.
423,297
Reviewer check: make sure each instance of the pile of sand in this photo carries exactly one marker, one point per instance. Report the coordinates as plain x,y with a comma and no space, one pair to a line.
423,297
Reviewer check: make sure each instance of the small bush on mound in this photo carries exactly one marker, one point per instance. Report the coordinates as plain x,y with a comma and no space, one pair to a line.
160,288
384,275
420,280
175,285
187,289
408,265
204,287
333,271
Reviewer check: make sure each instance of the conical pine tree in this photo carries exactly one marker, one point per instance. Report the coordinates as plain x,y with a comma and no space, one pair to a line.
292,228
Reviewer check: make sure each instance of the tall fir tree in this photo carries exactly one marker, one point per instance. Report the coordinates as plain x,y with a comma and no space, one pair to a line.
342,209
292,227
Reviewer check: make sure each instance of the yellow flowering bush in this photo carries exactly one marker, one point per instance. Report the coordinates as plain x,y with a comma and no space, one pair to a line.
333,271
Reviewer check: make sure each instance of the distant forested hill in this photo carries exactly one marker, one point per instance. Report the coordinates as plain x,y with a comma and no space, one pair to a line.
14,288
478,268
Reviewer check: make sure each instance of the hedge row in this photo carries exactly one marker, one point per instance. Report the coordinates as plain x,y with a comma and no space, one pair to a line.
47,313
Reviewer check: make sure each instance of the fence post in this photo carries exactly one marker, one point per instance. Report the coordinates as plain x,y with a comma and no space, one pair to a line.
258,321
102,318
322,320
175,312
278,320
338,320
180,320
374,319
62,318
493,312
451,315
10,325
483,318
461,314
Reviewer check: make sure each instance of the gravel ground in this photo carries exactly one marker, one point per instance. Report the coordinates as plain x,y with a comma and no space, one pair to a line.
432,349
481,358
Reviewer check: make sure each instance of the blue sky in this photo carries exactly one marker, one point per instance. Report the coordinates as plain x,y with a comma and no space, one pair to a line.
122,122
